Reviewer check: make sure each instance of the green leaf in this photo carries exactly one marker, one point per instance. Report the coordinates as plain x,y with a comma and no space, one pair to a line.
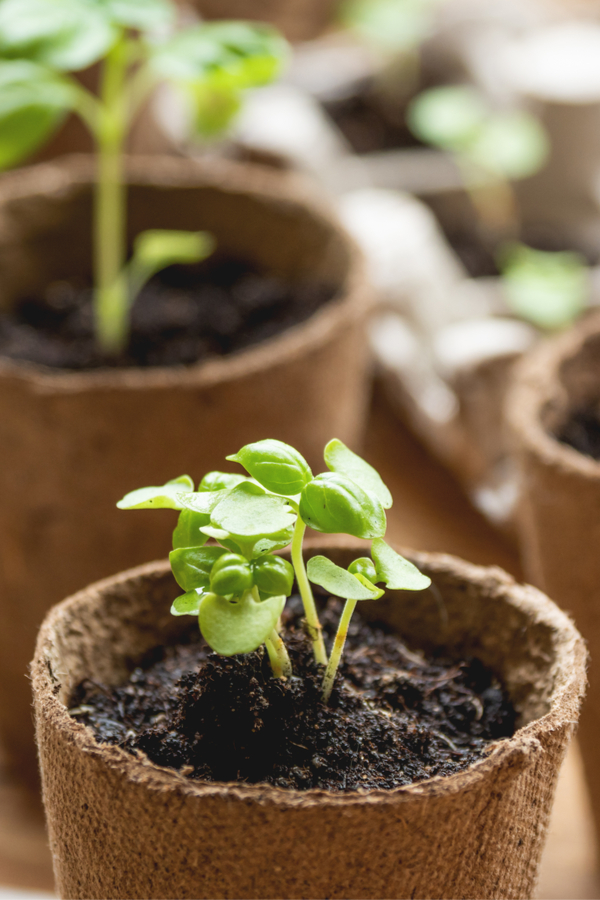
549,289
274,542
390,25
273,575
191,566
275,465
142,15
249,512
213,107
187,531
510,145
168,496
187,604
396,572
341,459
235,54
448,117
155,249
238,627
364,567
218,481
339,581
64,34
231,574
333,504
204,501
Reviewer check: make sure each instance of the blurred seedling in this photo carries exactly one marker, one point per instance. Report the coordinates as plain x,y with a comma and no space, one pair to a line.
237,586
137,44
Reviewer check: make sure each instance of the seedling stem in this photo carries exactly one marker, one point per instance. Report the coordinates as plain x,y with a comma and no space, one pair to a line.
310,610
338,647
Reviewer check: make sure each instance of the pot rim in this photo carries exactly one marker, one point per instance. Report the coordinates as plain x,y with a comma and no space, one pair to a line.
536,384
353,301
508,754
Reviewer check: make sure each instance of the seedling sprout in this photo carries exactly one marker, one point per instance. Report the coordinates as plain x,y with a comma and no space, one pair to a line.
138,44
237,586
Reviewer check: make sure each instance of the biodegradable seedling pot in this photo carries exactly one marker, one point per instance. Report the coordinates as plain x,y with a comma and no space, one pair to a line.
72,443
559,515
120,826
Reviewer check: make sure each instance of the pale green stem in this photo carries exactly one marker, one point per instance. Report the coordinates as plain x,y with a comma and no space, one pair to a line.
310,610
111,302
278,656
338,646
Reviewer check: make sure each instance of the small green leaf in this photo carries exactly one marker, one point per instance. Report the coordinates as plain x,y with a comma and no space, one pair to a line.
396,572
155,249
204,501
510,145
273,575
218,481
231,574
64,34
448,117
365,567
187,604
333,504
213,107
191,566
339,581
341,459
187,531
238,627
275,465
390,25
249,512
550,289
274,542
168,496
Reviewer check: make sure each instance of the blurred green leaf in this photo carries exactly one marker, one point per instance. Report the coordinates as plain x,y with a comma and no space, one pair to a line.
340,582
65,34
395,571
390,25
142,15
551,290
238,627
448,117
340,458
155,249
510,145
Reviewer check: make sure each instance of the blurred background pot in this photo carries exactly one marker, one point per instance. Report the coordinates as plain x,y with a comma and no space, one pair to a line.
72,443
299,20
121,826
557,394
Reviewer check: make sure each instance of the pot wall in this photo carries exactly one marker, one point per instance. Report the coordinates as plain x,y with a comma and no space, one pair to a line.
122,827
559,516
71,444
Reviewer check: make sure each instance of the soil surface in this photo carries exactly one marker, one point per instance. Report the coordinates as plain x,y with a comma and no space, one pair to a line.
366,123
183,315
394,716
582,431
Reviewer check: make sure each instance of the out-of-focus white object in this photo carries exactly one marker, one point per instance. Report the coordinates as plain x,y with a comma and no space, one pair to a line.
466,344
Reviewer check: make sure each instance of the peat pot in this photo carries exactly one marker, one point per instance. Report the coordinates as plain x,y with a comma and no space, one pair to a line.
72,443
559,515
120,826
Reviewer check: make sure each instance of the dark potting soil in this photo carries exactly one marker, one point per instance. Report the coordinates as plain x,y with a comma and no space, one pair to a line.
582,432
394,716
365,123
184,315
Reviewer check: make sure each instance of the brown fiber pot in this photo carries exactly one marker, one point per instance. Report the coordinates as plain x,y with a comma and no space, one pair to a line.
71,444
299,20
559,514
122,827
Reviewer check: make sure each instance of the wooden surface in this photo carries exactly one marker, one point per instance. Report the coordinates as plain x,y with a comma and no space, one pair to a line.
429,513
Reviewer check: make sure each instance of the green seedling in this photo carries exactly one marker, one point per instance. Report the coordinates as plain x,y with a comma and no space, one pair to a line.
491,148
138,44
548,289
236,586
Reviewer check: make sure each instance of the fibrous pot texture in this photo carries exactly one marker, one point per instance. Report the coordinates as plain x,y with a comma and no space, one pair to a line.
73,443
121,826
559,515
